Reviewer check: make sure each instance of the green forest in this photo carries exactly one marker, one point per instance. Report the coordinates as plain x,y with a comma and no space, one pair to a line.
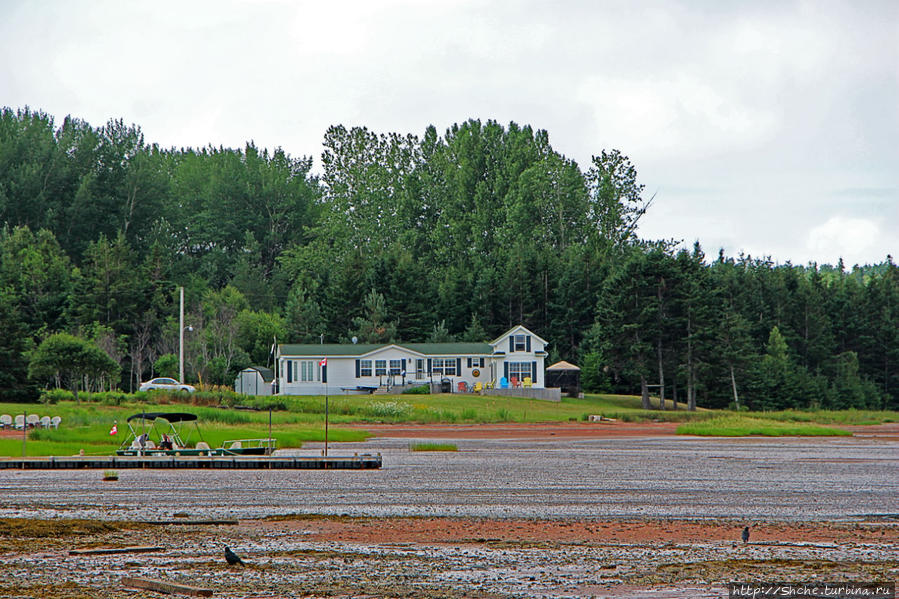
458,236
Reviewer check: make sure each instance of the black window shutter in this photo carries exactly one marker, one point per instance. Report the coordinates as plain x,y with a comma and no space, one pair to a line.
430,370
458,366
469,362
357,369
511,343
404,367
528,342
534,371
289,371
325,373
506,370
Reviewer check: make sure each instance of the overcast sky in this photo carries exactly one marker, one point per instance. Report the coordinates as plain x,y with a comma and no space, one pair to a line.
770,128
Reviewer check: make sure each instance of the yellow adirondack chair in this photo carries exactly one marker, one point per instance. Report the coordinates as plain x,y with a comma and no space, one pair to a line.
527,382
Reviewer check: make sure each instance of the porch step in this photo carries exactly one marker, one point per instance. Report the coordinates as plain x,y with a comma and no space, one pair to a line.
393,390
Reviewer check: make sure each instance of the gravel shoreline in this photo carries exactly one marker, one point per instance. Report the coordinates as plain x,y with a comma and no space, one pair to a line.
502,517
448,557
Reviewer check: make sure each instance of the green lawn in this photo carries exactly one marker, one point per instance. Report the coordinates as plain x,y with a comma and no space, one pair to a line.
464,408
86,425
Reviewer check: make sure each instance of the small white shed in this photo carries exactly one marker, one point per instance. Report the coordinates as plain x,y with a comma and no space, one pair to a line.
255,380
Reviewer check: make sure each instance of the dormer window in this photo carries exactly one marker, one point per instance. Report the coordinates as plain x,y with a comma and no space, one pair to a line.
519,343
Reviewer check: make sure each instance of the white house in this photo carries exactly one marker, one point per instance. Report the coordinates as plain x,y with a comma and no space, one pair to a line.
515,357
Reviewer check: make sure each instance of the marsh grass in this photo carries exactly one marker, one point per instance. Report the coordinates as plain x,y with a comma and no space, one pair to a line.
434,408
56,528
469,414
744,426
426,446
86,425
844,417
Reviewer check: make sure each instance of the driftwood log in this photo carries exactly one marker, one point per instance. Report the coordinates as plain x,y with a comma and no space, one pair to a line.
108,550
162,586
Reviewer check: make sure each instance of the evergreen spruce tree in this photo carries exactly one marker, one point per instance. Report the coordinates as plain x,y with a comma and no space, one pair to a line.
440,334
373,326
474,332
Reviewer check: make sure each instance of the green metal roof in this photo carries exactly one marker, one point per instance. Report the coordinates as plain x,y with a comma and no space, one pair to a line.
443,349
359,349
327,349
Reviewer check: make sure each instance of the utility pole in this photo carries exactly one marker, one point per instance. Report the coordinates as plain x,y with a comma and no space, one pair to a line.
181,340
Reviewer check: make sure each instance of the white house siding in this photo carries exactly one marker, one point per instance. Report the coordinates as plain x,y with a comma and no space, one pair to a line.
459,369
389,366
520,353
318,383
342,367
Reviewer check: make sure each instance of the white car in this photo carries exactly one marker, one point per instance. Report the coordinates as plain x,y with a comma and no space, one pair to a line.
165,384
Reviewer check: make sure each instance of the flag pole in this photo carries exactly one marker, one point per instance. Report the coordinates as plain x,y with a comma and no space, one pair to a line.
324,365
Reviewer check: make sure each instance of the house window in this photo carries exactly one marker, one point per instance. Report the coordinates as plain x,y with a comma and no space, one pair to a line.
521,343
308,372
444,366
364,367
396,367
419,369
380,367
519,370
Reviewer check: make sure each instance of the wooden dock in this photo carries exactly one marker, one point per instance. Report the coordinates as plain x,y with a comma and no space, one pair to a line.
356,462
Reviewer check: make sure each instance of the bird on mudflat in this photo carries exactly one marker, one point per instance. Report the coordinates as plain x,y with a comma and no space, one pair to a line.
745,534
232,558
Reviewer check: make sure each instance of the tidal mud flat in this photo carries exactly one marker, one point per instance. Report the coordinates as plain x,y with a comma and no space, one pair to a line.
556,516
334,556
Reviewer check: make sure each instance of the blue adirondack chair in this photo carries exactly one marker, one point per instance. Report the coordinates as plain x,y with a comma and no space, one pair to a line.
504,383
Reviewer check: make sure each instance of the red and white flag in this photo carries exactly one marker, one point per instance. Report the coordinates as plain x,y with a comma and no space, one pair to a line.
323,362
114,429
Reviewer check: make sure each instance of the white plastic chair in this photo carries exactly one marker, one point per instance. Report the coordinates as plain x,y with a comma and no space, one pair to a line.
45,422
20,422
5,421
33,420
54,422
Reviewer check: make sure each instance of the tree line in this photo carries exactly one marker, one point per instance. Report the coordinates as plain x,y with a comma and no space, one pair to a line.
434,237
